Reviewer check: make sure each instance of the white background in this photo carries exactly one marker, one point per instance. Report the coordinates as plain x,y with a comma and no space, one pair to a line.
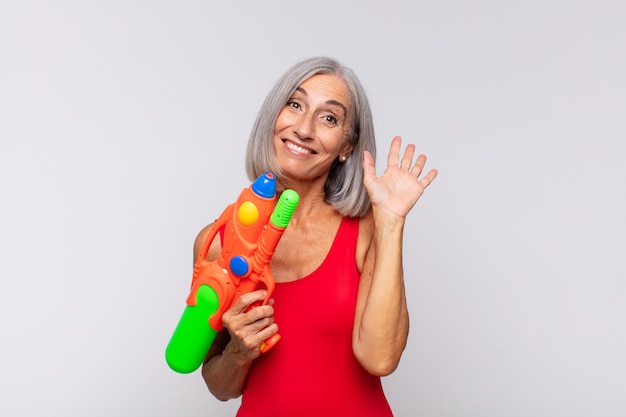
122,133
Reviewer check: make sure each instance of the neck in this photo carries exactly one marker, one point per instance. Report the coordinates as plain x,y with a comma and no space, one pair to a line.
311,204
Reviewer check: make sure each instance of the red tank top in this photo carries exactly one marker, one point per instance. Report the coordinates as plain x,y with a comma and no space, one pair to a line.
312,371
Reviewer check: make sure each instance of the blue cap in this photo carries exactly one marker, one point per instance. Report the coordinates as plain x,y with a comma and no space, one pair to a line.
239,265
265,185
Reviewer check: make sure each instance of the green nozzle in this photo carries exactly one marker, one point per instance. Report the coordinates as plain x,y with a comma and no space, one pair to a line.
284,208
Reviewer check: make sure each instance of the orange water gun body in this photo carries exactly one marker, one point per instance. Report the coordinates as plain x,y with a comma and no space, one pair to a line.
252,228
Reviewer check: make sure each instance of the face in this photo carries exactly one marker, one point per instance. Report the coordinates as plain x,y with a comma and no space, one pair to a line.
311,131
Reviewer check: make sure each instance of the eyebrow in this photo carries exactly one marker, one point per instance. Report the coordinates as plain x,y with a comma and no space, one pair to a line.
331,102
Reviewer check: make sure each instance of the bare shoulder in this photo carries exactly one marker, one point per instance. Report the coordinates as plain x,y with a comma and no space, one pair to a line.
364,242
215,248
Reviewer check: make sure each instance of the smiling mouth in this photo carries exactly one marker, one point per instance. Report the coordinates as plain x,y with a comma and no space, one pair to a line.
297,148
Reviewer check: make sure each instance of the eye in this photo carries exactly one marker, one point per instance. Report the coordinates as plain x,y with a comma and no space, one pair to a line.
293,104
330,119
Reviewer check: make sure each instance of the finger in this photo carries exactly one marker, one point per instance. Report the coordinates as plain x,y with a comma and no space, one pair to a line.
394,152
250,338
407,159
243,324
246,300
253,340
259,330
429,178
259,313
369,168
263,334
260,325
419,165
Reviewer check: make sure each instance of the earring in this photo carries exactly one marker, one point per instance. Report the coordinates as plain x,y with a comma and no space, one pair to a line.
343,158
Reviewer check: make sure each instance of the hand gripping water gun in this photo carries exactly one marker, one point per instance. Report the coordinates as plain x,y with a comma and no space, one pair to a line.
252,227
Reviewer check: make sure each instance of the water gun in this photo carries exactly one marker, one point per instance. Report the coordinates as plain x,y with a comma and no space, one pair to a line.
252,228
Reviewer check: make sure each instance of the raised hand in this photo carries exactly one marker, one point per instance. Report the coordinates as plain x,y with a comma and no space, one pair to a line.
400,186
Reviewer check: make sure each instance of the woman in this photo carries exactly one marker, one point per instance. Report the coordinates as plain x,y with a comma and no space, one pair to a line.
339,299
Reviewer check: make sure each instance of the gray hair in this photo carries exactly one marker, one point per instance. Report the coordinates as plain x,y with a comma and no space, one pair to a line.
344,188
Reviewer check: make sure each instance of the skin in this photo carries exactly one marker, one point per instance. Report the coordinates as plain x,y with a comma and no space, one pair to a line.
310,133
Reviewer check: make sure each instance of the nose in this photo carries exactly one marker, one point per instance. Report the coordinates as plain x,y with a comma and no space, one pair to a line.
304,127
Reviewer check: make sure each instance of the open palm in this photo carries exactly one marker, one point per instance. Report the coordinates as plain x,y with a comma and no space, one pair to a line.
400,186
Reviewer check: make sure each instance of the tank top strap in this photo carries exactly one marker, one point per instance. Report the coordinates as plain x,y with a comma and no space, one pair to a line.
346,237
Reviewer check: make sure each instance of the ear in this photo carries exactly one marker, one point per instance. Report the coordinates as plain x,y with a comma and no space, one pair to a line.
346,152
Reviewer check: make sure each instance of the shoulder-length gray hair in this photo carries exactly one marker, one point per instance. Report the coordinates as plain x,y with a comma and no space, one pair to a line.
344,188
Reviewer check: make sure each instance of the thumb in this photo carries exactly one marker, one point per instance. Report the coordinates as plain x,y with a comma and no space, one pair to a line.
369,168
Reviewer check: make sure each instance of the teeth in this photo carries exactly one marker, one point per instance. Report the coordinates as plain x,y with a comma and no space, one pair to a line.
297,148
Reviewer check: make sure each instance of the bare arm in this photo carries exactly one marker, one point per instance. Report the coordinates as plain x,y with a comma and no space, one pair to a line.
223,374
381,321
226,366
